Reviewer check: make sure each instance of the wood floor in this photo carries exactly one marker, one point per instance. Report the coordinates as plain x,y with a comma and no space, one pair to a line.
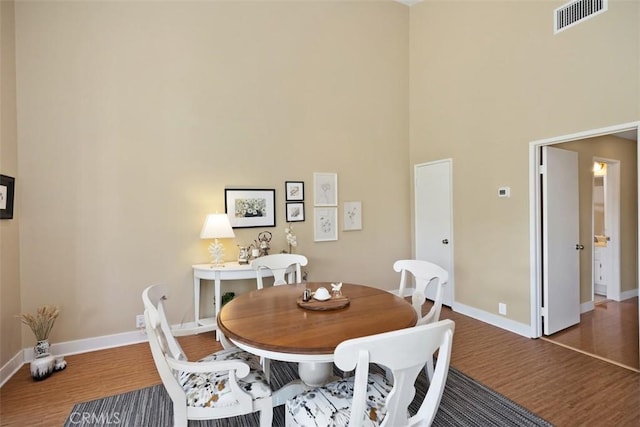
563,386
609,331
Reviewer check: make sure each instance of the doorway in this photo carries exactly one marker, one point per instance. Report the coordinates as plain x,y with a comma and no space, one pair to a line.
434,220
606,230
628,131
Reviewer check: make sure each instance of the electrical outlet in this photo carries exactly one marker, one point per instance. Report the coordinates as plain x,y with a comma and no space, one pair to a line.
140,321
502,308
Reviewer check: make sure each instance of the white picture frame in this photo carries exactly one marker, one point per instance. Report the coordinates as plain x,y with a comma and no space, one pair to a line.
325,189
352,216
325,224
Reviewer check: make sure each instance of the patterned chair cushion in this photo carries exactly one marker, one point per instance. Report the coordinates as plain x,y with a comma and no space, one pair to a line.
330,405
211,389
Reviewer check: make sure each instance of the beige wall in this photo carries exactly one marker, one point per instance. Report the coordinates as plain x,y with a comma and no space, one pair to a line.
613,148
10,342
134,116
487,78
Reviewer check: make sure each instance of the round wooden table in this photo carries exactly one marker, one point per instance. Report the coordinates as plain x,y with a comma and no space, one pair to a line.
270,323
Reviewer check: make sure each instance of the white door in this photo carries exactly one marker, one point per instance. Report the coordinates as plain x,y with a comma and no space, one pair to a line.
560,236
434,220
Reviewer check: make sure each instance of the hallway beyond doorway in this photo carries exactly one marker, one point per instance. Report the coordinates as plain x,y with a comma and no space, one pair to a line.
608,332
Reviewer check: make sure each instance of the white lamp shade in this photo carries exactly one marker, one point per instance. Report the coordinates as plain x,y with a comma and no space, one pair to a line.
217,226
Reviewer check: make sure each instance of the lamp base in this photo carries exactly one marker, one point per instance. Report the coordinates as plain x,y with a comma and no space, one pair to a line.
216,250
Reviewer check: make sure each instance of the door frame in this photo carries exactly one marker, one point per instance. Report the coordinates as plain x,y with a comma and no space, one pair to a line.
535,220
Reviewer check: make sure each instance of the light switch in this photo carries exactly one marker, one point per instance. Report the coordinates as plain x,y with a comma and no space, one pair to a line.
504,192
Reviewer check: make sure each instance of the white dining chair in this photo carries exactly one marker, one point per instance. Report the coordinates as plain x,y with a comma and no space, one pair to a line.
224,384
369,399
286,268
424,274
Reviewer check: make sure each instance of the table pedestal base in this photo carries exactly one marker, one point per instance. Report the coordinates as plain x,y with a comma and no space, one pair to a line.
312,374
315,374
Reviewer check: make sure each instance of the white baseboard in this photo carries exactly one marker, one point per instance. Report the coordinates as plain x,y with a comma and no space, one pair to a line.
494,319
629,294
587,306
11,367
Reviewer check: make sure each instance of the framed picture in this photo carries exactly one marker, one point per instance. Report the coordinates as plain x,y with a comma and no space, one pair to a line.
325,224
7,189
325,189
352,216
294,191
250,208
295,212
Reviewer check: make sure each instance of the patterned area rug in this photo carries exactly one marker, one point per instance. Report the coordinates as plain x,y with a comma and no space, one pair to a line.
465,402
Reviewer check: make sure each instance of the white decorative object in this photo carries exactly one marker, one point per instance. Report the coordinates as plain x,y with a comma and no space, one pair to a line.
336,289
216,226
321,294
291,238
42,367
59,363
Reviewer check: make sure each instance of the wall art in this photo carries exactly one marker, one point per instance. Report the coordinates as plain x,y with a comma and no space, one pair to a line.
250,207
325,189
7,190
325,224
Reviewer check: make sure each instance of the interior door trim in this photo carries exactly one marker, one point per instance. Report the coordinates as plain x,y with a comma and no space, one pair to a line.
535,244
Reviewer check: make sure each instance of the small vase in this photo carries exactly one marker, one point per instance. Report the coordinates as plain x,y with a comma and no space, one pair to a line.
41,349
42,367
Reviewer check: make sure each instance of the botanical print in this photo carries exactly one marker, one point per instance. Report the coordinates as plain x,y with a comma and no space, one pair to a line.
352,216
325,224
325,189
247,208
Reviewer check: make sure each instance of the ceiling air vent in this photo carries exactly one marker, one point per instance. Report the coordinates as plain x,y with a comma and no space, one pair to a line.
575,12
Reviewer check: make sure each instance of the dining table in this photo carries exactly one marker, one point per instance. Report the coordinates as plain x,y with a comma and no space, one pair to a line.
275,323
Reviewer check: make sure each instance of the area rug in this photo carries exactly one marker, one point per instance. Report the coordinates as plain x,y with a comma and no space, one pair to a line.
465,402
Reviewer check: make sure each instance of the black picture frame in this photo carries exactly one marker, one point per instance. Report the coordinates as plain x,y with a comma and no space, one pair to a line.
294,191
7,194
249,208
295,211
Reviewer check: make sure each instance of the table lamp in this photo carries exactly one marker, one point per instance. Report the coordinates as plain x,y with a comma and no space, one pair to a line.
216,226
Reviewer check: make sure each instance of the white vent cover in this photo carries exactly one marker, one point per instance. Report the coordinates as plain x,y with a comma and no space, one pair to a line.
575,12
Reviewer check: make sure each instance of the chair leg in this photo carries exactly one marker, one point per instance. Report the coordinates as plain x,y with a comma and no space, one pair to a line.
180,416
266,367
266,417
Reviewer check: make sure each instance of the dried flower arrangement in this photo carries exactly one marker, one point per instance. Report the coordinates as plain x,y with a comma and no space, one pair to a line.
42,323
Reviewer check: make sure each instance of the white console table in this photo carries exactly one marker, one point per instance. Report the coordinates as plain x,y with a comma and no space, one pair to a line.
230,271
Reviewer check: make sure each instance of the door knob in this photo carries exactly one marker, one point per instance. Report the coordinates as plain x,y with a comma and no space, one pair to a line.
579,247
445,241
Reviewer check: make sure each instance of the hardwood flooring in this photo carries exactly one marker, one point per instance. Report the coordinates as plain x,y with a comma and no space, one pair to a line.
565,387
610,331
